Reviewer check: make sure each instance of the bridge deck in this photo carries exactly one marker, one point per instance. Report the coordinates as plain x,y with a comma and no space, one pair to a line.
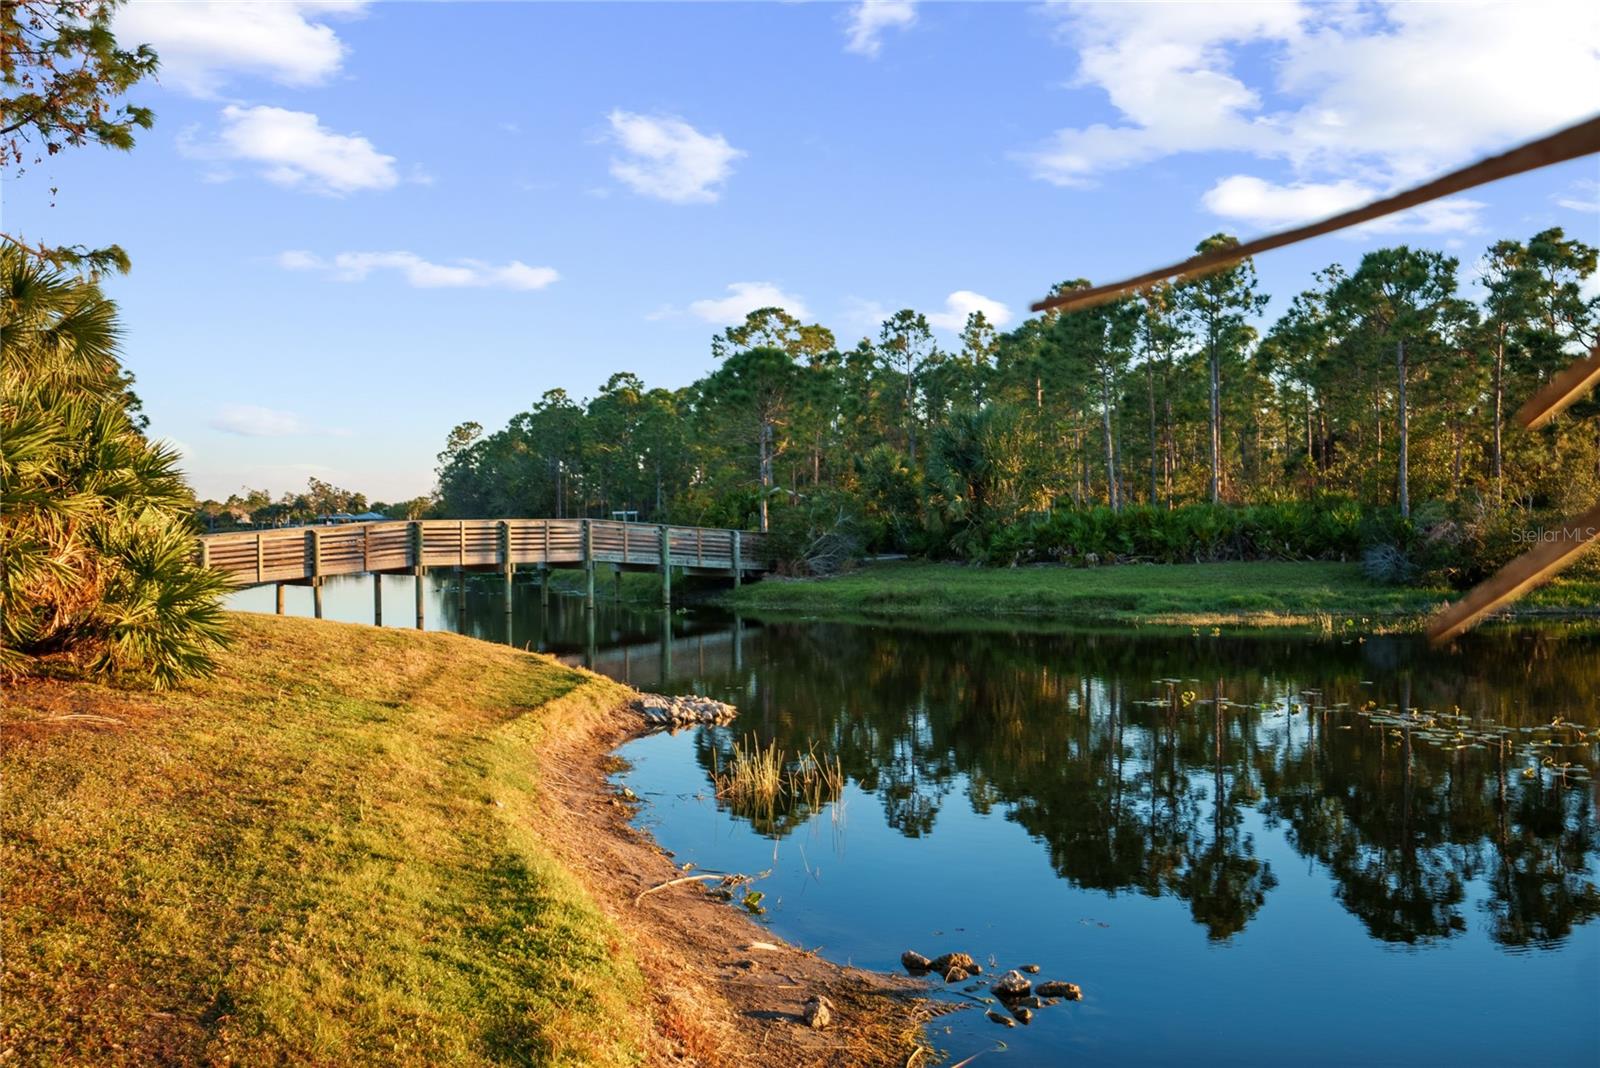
301,554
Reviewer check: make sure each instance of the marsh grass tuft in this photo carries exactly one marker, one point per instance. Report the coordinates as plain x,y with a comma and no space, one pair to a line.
761,780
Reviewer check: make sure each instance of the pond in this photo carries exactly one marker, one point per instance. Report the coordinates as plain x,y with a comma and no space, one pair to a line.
1252,849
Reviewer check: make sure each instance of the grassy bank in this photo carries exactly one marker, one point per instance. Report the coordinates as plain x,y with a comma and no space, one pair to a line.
1261,594
324,855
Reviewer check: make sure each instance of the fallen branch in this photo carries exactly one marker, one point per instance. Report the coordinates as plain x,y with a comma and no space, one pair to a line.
674,882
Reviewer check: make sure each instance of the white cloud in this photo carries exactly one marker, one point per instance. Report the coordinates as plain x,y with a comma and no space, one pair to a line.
1375,96
1450,215
254,421
744,298
1246,198
1266,205
863,314
203,44
962,303
1168,71
420,273
293,149
666,158
1583,196
868,20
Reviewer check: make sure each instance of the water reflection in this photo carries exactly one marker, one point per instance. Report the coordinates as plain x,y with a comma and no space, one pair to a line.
1133,760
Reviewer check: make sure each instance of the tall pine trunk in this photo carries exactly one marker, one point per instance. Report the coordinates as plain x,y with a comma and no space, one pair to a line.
1216,425
1405,428
1155,459
1105,424
766,469
1499,415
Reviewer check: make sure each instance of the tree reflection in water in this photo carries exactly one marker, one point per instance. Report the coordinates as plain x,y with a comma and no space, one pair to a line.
1135,759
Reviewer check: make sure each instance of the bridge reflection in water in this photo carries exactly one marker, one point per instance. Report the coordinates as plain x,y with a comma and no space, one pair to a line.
642,646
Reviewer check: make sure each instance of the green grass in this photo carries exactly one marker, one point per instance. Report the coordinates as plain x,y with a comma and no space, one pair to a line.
1327,596
327,854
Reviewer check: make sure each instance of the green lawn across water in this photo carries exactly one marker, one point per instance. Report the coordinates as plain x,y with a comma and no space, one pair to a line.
1328,596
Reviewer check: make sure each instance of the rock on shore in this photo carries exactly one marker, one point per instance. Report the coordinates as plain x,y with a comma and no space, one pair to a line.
688,710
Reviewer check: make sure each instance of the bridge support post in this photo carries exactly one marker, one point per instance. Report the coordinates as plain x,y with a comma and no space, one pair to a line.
510,570
665,534
588,566
738,569
417,568
461,599
316,572
616,582
280,598
544,585
377,599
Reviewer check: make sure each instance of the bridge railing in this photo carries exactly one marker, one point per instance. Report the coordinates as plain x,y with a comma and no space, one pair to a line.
298,554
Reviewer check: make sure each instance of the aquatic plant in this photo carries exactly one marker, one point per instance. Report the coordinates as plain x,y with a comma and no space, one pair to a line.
761,781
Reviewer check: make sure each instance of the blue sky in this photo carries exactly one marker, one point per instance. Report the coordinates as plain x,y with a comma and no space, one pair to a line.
355,226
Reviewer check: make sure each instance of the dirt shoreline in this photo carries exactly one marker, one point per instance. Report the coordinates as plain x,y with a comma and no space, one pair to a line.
725,989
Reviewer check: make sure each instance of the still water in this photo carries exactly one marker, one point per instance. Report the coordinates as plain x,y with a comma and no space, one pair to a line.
1250,850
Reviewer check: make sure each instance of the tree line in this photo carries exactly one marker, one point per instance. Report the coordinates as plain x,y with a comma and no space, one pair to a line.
259,508
1389,386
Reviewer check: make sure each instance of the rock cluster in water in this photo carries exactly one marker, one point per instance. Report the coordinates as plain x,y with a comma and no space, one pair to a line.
689,710
951,967
1014,991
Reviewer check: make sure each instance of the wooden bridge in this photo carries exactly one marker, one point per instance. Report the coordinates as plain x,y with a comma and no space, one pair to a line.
305,556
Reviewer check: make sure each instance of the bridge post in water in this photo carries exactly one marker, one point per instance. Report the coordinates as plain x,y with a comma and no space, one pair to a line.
588,566
616,582
280,598
316,571
377,599
666,564
510,569
544,585
738,571
417,568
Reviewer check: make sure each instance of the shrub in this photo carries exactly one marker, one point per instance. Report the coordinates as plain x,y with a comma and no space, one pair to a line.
96,559
1192,533
816,535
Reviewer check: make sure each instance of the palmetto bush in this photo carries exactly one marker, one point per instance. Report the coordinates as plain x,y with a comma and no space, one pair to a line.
1195,532
96,564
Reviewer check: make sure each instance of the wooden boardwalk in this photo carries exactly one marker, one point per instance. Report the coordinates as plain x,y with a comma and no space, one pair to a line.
308,555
